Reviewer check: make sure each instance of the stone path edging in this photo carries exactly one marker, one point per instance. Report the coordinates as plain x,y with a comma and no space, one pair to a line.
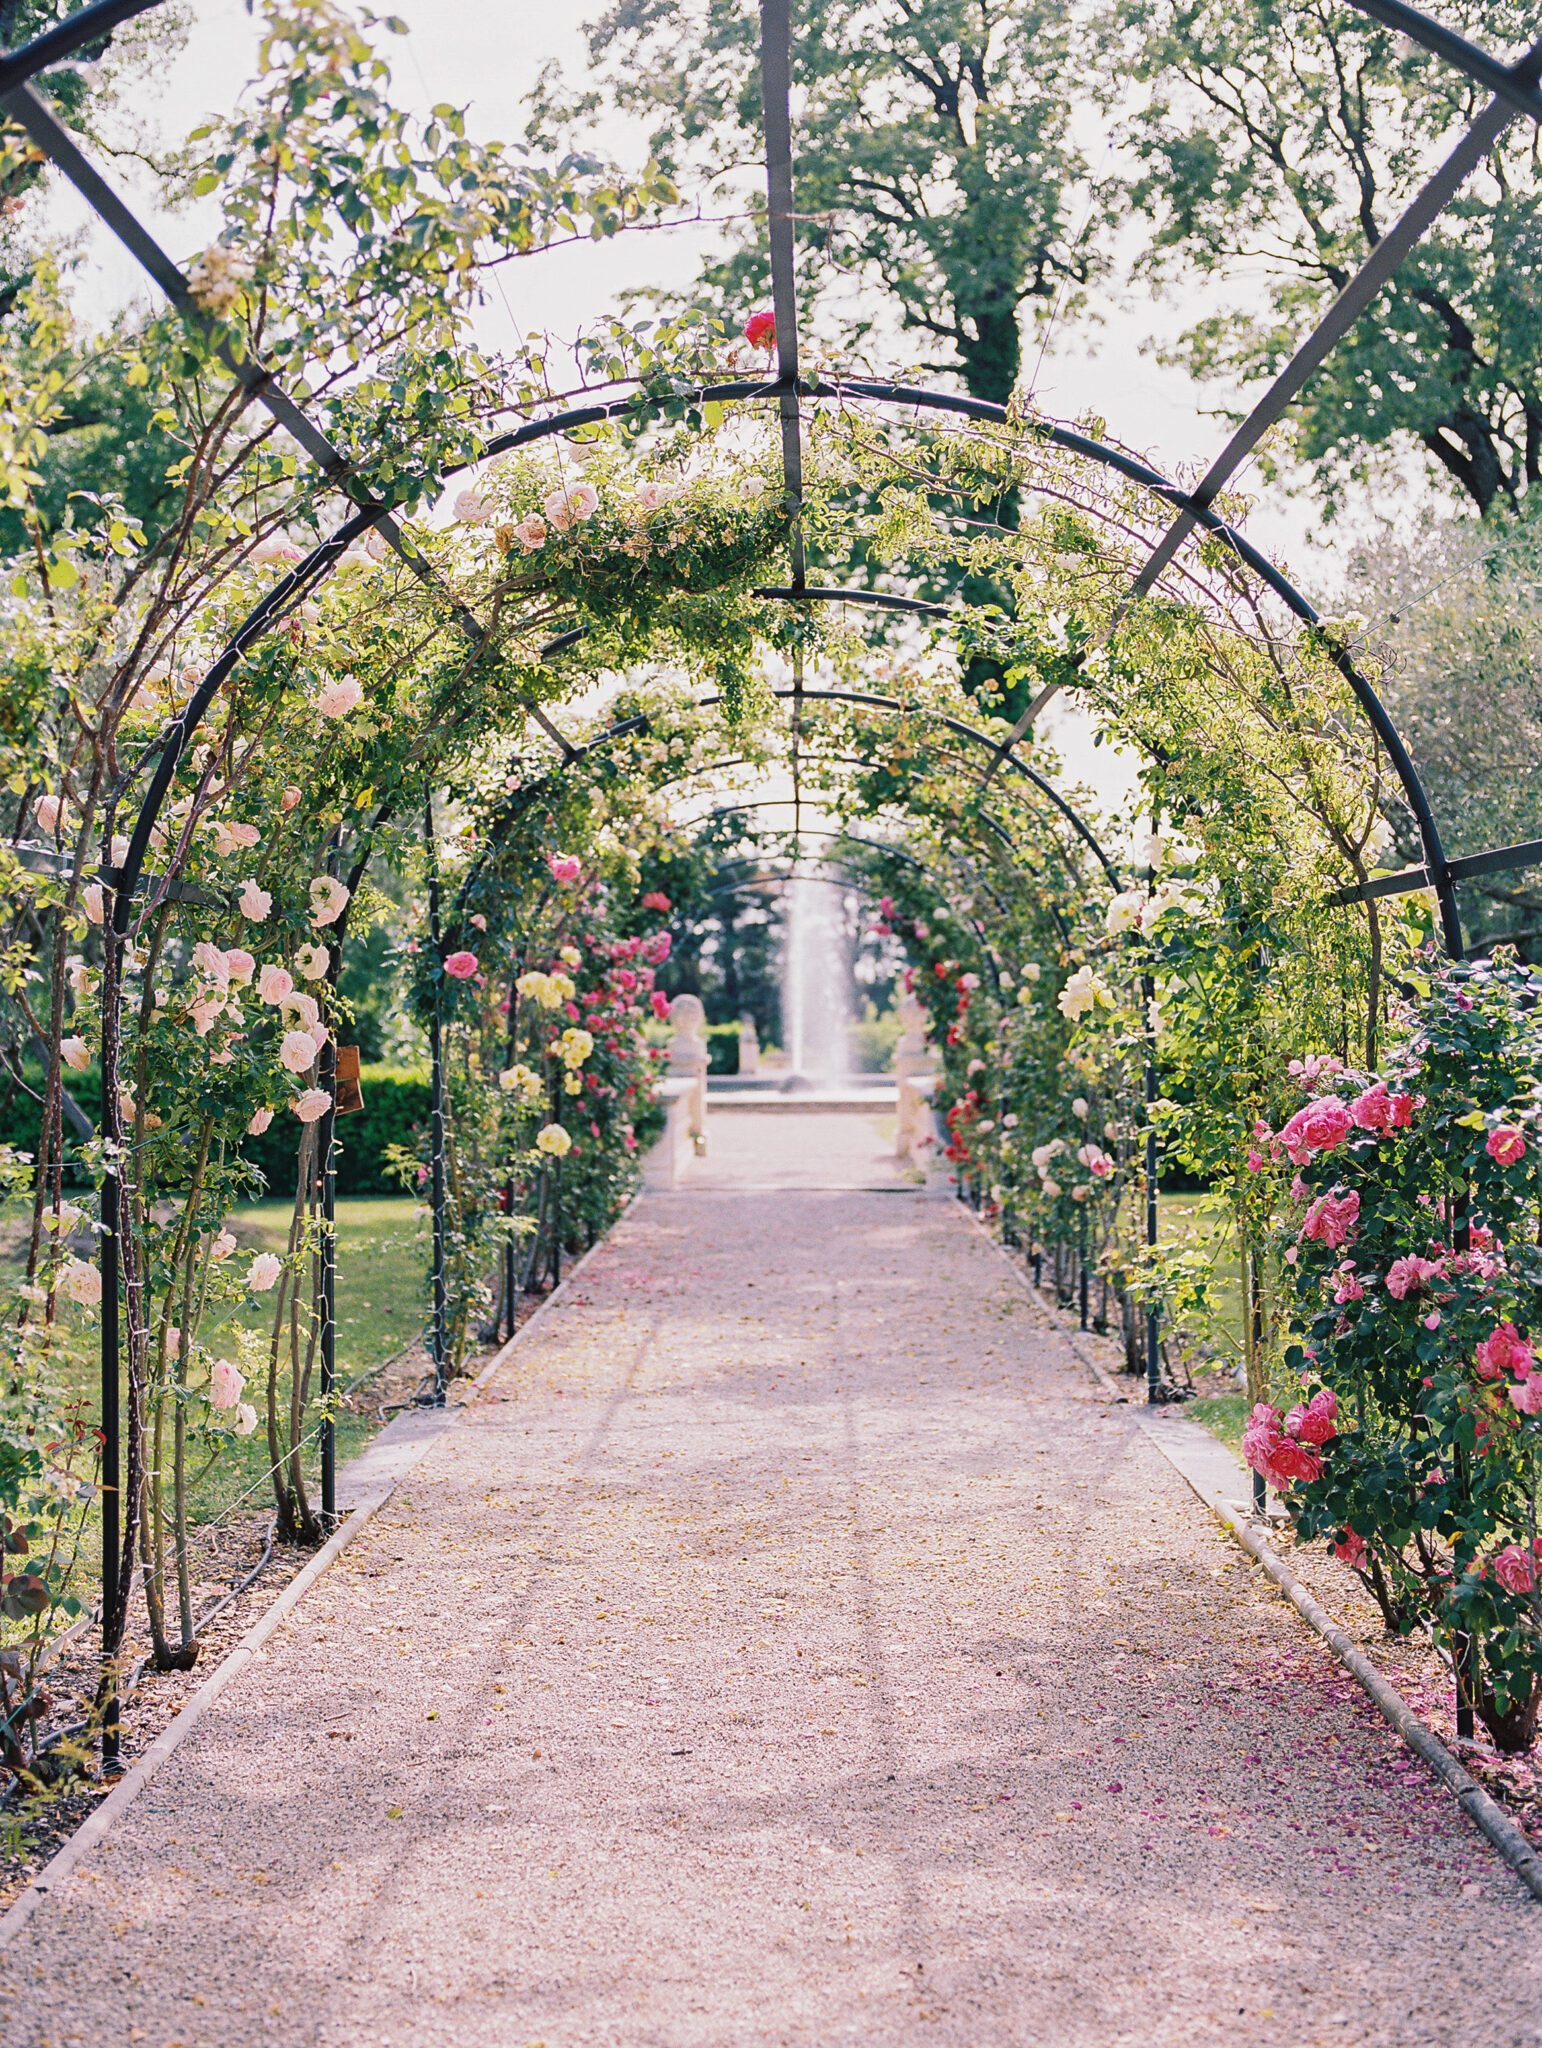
369,1480
1201,1460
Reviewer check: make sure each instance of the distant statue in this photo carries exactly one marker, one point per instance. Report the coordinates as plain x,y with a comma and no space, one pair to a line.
749,1047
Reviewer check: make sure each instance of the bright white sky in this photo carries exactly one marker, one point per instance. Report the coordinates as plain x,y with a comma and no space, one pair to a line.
486,55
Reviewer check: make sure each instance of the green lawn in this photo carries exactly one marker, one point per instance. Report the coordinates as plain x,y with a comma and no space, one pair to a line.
382,1260
1212,1343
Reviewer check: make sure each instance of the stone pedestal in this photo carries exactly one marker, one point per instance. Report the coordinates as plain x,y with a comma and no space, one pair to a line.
915,1076
688,1061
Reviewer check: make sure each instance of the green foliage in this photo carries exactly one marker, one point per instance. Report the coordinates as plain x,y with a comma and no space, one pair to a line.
935,161
1290,136
1417,1249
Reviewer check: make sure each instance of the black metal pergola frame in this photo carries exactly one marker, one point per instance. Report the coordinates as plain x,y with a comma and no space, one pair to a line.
1514,94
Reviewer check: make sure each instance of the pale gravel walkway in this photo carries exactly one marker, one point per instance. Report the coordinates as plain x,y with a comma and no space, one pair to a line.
794,1648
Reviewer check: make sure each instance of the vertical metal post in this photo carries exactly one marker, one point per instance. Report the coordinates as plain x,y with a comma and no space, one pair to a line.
109,1704
1081,1269
1148,1000
440,1324
327,1174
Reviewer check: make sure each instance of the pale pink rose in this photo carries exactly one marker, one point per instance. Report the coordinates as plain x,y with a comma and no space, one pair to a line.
570,503
263,1272
275,548
260,1120
312,962
223,1245
239,965
81,1281
1506,1145
473,507
461,966
375,545
206,1013
96,902
651,496
565,867
246,1419
531,533
290,797
329,899
478,921
299,1011
47,810
255,903
1514,1568
75,1053
228,836
211,963
274,984
297,1052
319,1035
338,699
226,1384
314,1103
1526,1395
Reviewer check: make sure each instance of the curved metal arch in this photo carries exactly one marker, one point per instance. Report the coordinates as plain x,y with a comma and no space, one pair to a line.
637,722
1515,85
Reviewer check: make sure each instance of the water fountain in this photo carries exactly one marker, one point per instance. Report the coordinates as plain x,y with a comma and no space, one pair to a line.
816,986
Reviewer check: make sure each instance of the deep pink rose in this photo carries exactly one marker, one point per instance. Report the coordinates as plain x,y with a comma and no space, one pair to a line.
760,330
1317,1128
1504,1350
1514,1569
1332,1218
461,966
1406,1276
1506,1145
1314,1421
1350,1548
565,867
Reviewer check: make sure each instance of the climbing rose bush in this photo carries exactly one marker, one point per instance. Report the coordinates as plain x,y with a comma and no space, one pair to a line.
1411,1266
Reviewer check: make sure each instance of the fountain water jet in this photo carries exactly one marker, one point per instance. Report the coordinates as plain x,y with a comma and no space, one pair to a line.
816,985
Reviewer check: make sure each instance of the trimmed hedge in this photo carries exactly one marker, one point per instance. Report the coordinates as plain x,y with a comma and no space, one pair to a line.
396,1107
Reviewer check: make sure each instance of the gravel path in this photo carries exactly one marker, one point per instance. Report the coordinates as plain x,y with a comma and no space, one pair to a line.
793,1647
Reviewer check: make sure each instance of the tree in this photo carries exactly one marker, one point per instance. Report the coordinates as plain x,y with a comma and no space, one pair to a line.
934,165
1281,139
1456,607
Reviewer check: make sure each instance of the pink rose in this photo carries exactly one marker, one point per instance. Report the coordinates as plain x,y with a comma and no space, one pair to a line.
226,1384
660,1003
657,900
461,966
1514,1569
1504,1350
1316,1128
1347,1285
313,1104
263,1272
1350,1548
1506,1145
1316,1421
565,867
274,984
255,903
531,533
259,1123
1406,1276
1526,1395
338,699
297,1051
239,964
1332,1219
